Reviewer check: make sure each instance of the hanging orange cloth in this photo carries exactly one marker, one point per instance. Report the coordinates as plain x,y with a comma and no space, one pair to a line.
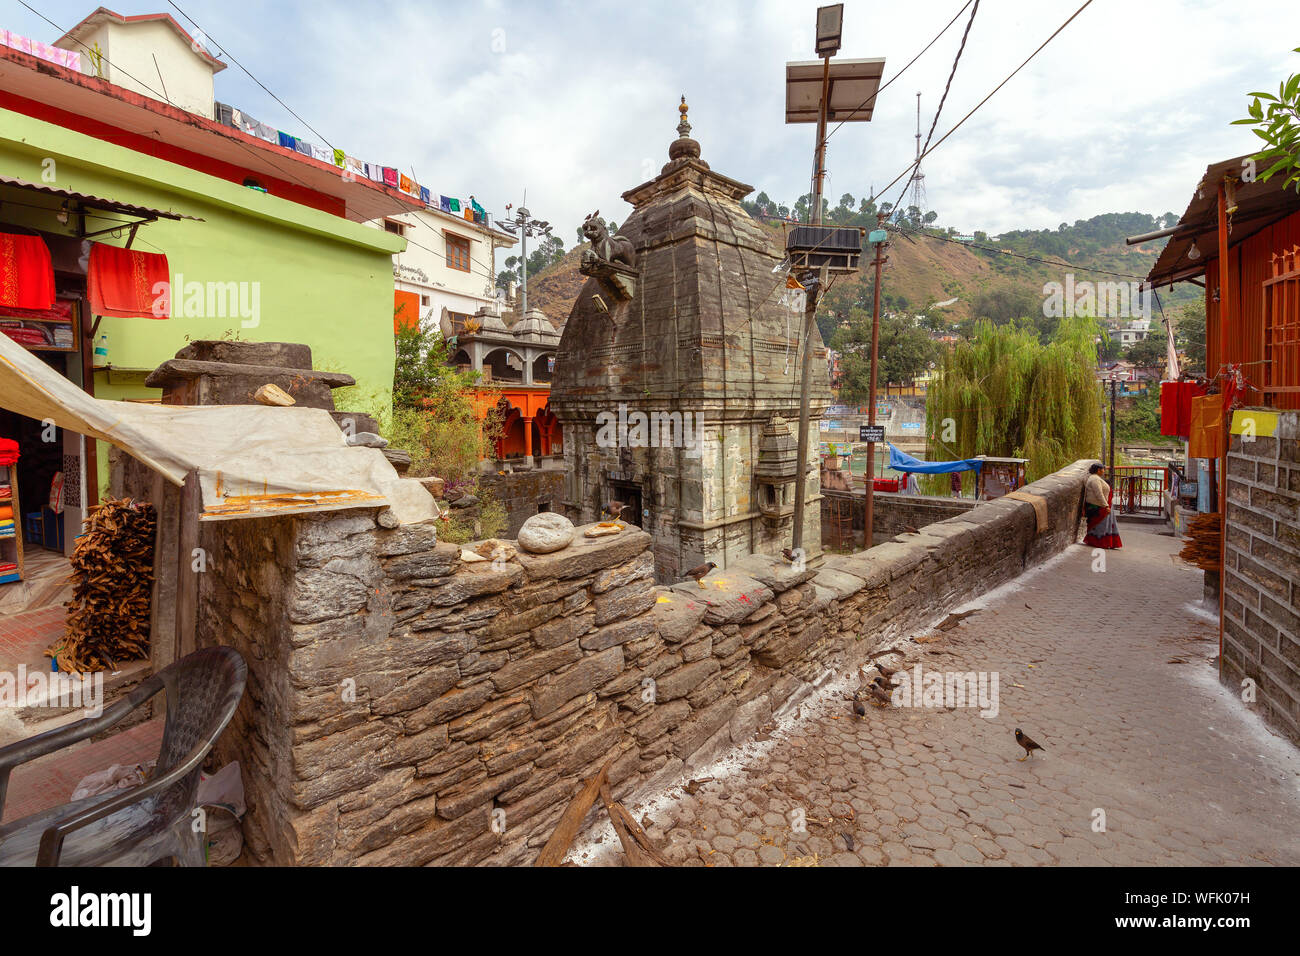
26,274
1206,434
125,283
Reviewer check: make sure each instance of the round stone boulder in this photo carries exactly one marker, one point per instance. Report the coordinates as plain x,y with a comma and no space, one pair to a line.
546,532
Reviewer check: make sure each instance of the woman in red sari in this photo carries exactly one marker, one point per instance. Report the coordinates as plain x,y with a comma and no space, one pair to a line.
1103,531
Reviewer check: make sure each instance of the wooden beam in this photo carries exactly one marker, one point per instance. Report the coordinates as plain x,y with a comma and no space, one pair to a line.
566,830
636,845
187,579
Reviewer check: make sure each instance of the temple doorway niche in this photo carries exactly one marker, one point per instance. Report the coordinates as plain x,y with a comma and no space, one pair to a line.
629,493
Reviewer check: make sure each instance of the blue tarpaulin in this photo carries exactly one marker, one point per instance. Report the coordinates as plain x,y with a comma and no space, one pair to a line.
900,461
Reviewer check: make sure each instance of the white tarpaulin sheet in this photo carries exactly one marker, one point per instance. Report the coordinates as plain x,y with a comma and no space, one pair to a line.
251,459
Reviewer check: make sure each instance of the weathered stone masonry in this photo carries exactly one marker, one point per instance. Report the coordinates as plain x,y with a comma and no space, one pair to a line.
1261,573
397,696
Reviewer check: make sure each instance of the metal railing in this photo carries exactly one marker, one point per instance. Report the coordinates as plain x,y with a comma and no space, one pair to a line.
1140,489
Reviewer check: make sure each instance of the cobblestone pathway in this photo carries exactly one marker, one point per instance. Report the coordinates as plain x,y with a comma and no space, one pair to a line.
1110,672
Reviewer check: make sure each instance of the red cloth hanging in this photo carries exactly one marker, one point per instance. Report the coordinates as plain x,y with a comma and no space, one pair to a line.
126,283
1176,407
26,273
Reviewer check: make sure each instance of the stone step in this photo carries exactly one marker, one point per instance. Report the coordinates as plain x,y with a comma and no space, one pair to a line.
359,422
191,382
266,354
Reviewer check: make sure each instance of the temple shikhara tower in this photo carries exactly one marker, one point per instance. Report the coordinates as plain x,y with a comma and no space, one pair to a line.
677,377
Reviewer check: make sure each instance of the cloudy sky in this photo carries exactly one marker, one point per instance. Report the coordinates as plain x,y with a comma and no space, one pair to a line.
576,101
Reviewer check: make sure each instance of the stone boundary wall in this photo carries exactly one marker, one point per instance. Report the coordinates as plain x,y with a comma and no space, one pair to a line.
893,514
1261,575
522,492
407,708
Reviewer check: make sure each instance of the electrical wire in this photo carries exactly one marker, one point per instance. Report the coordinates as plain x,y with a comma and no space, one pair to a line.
227,53
960,122
1015,255
863,105
265,157
942,100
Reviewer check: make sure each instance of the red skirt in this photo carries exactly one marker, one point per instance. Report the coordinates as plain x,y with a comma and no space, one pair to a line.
1103,530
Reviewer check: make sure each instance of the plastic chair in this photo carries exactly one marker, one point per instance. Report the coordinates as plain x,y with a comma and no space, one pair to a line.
148,823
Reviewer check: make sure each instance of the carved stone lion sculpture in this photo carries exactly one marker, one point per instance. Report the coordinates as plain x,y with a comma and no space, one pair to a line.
614,249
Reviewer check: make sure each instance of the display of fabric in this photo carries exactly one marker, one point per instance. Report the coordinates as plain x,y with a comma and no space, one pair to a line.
1205,434
126,283
426,196
901,461
28,335
26,274
302,146
340,160
324,153
8,456
6,513
287,141
390,177
70,59
1176,407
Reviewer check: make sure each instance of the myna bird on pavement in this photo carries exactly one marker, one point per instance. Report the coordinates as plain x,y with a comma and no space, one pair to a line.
859,708
614,509
886,685
788,555
1029,745
879,695
886,672
699,573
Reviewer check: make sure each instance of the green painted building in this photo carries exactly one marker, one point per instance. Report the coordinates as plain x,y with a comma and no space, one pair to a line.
262,243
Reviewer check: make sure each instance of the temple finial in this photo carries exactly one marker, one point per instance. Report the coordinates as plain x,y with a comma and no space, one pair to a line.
684,127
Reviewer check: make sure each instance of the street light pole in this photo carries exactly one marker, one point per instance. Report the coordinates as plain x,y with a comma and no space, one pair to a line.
814,285
526,226
868,523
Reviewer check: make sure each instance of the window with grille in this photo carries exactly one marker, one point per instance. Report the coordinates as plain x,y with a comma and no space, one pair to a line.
457,253
1282,329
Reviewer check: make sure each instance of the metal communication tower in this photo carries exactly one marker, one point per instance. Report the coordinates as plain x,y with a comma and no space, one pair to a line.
918,178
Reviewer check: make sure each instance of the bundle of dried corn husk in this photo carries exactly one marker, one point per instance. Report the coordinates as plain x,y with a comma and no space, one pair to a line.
108,616
1202,543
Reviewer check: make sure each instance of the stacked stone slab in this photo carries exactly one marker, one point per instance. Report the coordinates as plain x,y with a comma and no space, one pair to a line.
407,708
704,334
221,372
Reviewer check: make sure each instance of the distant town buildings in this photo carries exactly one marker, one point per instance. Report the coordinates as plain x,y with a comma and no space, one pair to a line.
447,272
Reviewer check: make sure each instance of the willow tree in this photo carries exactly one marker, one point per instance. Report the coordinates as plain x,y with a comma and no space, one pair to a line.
1005,394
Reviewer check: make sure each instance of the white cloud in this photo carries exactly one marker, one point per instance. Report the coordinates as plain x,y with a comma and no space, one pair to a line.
1120,113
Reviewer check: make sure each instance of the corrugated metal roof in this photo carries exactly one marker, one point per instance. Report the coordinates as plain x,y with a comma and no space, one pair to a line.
1259,204
96,202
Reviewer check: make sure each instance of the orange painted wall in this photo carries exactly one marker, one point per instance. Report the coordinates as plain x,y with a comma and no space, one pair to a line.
406,310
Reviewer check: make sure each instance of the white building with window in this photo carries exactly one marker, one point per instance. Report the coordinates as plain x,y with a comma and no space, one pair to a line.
448,271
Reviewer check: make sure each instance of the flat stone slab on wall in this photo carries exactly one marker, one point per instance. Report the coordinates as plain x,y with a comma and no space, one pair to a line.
407,708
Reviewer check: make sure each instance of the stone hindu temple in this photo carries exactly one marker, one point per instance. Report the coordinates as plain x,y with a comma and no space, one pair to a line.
677,377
